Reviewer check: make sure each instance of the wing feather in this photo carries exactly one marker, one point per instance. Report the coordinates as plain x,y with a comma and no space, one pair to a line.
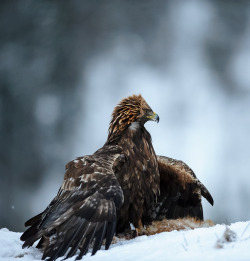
180,192
83,213
110,226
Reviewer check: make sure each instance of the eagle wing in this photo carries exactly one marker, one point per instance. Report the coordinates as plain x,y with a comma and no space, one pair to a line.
180,191
84,211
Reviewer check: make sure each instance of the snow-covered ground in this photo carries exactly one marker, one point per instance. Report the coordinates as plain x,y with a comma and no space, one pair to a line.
198,244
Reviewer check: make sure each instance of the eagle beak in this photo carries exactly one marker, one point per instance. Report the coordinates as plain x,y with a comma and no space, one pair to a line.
153,117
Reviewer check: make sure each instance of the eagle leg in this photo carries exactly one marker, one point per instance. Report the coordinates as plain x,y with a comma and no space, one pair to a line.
140,230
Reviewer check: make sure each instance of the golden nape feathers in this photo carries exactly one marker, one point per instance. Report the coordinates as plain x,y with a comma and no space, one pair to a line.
131,109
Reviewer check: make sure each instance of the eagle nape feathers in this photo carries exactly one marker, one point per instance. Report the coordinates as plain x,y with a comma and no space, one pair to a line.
122,183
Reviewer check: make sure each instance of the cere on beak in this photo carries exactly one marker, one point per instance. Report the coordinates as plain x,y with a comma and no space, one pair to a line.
153,117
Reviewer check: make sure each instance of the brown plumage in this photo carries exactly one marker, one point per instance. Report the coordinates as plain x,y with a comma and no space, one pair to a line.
123,182
181,191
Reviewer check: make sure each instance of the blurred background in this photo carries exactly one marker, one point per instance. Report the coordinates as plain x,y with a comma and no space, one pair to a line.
64,65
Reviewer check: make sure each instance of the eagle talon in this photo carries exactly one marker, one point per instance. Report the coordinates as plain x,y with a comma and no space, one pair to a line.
141,232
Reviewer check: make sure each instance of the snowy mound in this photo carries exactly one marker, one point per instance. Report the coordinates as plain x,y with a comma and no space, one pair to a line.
214,243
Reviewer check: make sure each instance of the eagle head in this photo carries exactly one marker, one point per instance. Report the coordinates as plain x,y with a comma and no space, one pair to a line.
131,109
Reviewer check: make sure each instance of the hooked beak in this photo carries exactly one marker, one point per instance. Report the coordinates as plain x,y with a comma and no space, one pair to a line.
153,117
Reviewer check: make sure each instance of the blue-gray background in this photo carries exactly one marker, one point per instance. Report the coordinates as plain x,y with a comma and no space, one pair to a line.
64,65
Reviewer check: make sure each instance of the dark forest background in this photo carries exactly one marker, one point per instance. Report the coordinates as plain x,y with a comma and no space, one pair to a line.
64,65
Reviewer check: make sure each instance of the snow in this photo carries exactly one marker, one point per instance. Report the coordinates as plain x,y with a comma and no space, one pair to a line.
198,244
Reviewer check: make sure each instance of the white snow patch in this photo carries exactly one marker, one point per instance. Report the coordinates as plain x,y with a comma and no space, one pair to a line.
198,244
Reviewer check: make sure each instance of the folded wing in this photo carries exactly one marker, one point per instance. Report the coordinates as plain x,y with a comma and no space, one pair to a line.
180,192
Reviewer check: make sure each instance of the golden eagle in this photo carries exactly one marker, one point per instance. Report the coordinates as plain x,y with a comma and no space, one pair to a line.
123,182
